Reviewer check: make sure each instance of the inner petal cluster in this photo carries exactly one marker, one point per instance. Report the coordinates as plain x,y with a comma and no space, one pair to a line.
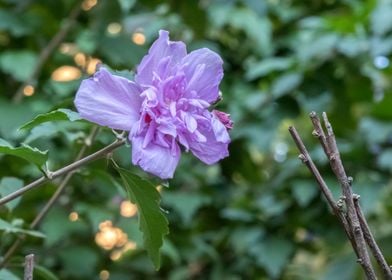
170,112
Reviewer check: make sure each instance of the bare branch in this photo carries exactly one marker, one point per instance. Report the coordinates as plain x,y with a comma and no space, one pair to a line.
48,50
371,241
41,215
307,160
345,183
29,267
67,169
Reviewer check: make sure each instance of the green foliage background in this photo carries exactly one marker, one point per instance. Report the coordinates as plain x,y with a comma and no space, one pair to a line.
256,215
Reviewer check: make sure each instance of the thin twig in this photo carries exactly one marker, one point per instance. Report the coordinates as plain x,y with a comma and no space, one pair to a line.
319,132
307,160
29,267
11,250
48,50
62,171
345,183
371,241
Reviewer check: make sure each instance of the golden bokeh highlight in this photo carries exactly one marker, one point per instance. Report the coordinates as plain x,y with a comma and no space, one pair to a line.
73,216
138,38
68,48
80,59
92,65
159,188
66,73
117,254
109,236
88,4
128,209
104,275
28,90
114,28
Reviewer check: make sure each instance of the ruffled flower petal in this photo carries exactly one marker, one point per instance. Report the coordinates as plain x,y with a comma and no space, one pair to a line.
156,62
109,100
204,71
155,159
215,146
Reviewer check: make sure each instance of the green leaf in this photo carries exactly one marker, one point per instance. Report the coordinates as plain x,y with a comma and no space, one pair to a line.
9,185
273,254
26,152
6,274
18,64
267,66
11,228
57,115
186,204
304,191
286,83
41,272
152,222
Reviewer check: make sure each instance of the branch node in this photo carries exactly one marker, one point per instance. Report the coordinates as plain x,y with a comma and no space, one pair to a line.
303,158
350,180
315,133
340,202
119,135
356,197
359,260
48,174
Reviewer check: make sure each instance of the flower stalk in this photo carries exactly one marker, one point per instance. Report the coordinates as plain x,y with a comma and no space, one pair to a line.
66,169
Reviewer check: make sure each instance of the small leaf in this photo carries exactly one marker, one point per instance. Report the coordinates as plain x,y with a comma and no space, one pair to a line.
152,222
286,84
6,274
9,185
18,64
41,272
26,152
267,66
57,115
186,204
11,228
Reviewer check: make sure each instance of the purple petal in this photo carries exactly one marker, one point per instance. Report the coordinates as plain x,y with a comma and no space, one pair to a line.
204,71
109,100
156,60
156,159
215,147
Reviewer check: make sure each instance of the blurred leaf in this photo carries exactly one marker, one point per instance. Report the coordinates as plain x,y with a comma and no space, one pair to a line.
375,131
79,261
5,274
152,222
57,226
268,65
16,115
272,206
342,267
186,204
273,254
43,273
381,21
304,191
26,152
13,23
9,185
57,115
126,5
11,228
18,64
286,84
87,41
385,159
